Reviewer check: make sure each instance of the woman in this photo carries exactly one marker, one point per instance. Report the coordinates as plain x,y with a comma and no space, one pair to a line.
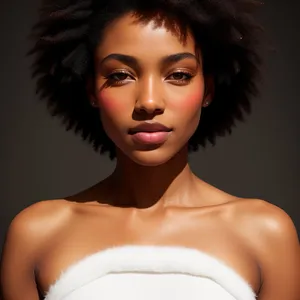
133,78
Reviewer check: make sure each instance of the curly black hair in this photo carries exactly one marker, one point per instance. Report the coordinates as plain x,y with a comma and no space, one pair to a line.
69,30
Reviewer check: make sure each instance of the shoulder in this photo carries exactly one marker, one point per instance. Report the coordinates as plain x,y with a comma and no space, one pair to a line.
29,233
33,226
44,212
271,221
264,223
272,237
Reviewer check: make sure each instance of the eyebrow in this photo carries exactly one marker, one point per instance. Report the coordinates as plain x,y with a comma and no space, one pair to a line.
174,58
133,62
126,59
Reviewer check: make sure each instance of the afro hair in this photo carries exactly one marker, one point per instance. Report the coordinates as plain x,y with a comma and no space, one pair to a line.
68,31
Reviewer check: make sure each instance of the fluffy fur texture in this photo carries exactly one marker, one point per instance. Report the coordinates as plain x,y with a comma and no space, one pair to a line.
150,272
69,30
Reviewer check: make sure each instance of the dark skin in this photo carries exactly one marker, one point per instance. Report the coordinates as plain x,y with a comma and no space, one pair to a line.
152,189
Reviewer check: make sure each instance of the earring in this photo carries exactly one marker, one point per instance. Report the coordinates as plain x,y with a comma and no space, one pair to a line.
206,103
94,104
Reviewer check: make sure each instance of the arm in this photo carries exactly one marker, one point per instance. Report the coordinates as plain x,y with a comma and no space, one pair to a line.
18,257
29,235
279,257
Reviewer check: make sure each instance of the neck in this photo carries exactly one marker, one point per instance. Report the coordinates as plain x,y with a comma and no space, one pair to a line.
143,186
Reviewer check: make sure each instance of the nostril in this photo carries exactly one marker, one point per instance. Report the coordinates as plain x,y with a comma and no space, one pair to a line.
159,110
143,110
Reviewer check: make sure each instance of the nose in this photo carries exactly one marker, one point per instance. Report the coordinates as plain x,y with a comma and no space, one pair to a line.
150,97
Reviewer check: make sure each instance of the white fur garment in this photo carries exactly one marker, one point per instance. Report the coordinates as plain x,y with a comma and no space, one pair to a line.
150,273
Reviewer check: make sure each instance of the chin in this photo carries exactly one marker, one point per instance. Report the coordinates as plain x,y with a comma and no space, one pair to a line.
151,158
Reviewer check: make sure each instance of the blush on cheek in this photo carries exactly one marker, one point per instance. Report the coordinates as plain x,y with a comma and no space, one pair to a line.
192,101
110,103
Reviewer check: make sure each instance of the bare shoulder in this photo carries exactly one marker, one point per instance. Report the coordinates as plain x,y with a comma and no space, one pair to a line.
28,234
269,220
36,223
49,211
272,236
262,223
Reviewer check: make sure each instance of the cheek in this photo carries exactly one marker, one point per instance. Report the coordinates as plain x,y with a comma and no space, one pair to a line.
191,102
111,103
113,108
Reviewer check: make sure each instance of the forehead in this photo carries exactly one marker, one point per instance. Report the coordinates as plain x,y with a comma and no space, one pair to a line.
132,36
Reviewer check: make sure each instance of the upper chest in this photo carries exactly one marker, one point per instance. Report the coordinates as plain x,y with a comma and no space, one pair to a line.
88,234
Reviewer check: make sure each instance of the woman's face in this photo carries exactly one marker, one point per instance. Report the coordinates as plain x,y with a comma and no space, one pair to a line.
149,88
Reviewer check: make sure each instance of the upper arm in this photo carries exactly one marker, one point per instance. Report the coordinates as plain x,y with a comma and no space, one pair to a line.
17,264
279,256
29,234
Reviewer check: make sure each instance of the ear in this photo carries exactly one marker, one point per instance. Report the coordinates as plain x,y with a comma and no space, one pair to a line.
209,90
90,89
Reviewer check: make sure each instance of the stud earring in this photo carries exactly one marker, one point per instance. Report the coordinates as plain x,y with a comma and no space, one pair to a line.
94,104
206,103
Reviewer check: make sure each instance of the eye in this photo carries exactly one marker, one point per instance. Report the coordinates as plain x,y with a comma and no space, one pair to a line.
180,77
119,77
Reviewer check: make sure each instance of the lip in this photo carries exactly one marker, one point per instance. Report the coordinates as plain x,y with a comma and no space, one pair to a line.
150,133
149,127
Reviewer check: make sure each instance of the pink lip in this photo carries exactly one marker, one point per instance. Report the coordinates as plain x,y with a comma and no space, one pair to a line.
157,137
150,132
149,127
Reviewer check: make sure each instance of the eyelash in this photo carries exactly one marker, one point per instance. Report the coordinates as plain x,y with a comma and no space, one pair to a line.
188,78
116,82
187,74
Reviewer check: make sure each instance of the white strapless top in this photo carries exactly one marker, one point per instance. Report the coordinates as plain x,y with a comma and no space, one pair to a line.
150,273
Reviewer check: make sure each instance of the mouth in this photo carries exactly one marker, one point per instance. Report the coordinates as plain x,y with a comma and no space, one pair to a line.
149,127
150,133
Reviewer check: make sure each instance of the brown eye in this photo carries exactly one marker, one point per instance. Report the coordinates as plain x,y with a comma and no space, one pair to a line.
119,76
180,76
116,78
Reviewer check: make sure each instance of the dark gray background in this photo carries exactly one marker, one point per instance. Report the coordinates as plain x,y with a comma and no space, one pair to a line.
39,160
